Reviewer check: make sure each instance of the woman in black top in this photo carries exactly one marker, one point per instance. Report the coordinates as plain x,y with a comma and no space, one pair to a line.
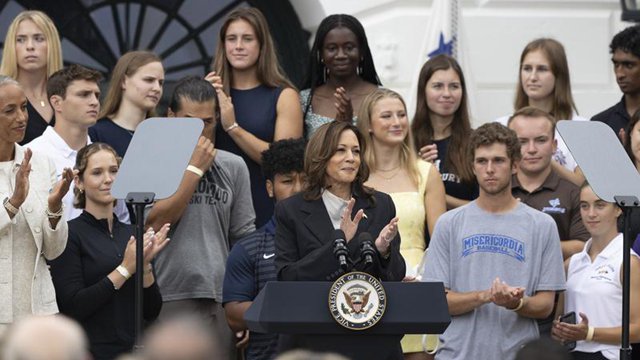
91,277
441,127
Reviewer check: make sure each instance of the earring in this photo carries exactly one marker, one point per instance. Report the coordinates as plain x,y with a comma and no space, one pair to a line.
325,74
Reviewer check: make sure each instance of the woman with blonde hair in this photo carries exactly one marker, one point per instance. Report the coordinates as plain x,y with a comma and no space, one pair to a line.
31,53
415,185
258,103
545,83
134,92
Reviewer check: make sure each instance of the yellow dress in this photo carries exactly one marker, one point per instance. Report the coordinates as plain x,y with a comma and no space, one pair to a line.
412,218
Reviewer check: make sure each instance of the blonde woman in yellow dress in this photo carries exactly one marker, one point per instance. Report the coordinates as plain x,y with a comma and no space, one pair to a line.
414,185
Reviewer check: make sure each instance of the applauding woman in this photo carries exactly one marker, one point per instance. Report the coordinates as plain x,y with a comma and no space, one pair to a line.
92,276
258,104
414,184
594,285
31,231
31,54
341,72
336,198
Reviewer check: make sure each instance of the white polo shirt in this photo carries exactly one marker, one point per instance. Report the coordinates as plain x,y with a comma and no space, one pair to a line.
53,146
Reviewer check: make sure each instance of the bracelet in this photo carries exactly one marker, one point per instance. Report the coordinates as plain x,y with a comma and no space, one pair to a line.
590,333
124,272
7,205
53,215
233,126
195,170
520,305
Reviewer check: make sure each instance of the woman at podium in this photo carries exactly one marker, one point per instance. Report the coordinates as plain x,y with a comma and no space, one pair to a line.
335,198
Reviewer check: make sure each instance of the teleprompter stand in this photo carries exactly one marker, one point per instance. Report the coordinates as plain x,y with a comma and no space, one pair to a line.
613,178
152,169
301,308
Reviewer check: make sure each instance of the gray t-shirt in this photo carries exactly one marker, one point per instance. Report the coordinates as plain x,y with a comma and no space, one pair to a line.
469,249
219,213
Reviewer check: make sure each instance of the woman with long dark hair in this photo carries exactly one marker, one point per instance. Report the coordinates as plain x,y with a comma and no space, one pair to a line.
341,72
441,127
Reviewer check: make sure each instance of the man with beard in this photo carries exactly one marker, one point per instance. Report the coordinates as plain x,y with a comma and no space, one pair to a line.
625,55
499,259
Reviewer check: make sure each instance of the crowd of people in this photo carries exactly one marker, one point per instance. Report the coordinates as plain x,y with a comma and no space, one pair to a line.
493,213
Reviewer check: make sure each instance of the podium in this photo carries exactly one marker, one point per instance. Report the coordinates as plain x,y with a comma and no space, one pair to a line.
301,309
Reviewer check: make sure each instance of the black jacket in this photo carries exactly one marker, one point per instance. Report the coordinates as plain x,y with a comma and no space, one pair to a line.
304,240
86,294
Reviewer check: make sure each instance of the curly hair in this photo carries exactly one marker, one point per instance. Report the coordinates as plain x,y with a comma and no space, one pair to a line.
627,40
283,157
491,133
321,147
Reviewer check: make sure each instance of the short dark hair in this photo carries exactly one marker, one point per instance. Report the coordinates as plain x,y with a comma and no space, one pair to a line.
194,89
283,157
60,80
627,40
491,133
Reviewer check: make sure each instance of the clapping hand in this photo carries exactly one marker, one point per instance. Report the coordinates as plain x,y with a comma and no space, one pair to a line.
22,180
60,189
428,153
343,105
504,295
387,234
349,225
154,242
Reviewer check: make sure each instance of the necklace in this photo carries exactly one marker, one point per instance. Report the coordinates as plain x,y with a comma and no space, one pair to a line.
389,170
42,103
388,178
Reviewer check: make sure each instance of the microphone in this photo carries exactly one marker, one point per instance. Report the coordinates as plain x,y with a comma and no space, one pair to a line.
366,247
340,248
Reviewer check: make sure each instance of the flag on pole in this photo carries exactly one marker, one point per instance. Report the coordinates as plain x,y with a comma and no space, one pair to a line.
444,35
442,30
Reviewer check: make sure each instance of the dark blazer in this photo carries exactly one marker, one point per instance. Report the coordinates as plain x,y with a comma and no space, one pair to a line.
304,240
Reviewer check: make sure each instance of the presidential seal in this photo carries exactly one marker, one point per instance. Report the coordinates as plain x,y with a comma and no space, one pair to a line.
357,300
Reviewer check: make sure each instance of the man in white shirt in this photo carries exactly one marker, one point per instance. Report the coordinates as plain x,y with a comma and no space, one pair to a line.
74,96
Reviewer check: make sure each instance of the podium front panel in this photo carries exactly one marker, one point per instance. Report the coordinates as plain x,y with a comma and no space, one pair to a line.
302,307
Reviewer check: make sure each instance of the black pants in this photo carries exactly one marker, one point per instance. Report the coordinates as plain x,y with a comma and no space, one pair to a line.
579,355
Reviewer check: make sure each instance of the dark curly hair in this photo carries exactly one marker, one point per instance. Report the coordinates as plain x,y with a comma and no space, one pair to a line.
627,40
283,157
491,133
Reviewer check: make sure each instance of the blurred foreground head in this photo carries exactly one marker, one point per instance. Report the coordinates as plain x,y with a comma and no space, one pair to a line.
46,338
180,338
